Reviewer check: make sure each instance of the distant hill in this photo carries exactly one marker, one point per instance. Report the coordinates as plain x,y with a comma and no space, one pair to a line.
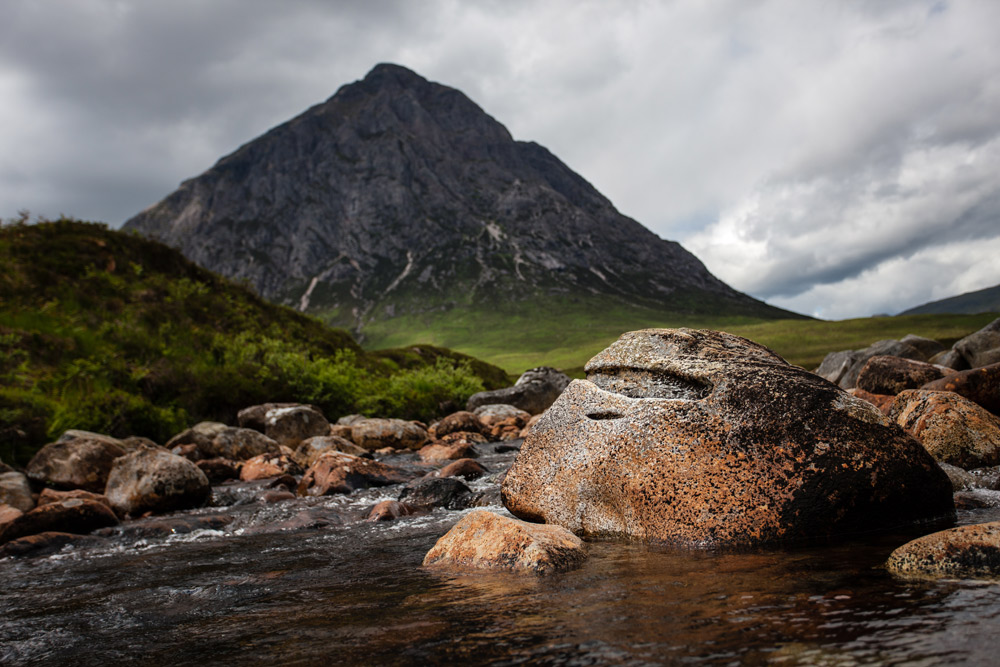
400,204
108,331
981,301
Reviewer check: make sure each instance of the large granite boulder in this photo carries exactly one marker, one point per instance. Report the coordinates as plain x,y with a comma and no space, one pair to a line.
979,385
891,375
952,428
701,437
968,552
80,463
981,348
533,392
154,480
483,540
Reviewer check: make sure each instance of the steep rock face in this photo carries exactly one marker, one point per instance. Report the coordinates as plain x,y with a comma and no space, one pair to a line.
401,195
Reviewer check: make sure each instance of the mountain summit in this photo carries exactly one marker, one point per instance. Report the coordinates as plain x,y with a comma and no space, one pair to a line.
399,196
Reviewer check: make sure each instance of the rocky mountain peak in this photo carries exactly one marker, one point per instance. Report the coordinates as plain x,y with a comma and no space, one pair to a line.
400,195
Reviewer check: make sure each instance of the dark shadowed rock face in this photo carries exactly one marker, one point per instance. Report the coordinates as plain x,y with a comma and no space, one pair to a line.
700,437
401,195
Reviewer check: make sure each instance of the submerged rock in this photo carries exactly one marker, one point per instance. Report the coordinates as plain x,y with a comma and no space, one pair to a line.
701,437
429,492
484,540
952,428
75,515
154,480
962,552
79,463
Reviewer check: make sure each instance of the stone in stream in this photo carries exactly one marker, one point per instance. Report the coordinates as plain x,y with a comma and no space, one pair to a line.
238,444
375,434
15,490
219,470
80,463
891,375
8,514
289,426
881,401
952,428
460,421
428,492
53,496
484,540
966,552
154,480
336,472
255,416
701,438
266,466
961,479
979,385
312,448
467,469
439,451
75,515
533,392
43,544
389,510
201,435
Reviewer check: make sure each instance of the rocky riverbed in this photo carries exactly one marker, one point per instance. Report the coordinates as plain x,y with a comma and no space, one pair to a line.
735,510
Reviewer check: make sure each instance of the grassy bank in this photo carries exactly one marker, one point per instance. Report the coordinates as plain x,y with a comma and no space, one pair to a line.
106,331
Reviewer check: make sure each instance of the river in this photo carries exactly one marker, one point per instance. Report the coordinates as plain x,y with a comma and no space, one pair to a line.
353,592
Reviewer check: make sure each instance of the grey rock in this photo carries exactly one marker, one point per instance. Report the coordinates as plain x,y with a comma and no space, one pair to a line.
154,480
15,490
291,425
397,192
533,392
952,359
961,480
927,346
981,348
80,463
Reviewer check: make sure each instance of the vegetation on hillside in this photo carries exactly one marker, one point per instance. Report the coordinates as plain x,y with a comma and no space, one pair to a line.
566,333
107,331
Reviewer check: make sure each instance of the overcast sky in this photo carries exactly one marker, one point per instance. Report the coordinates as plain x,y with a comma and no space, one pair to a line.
836,158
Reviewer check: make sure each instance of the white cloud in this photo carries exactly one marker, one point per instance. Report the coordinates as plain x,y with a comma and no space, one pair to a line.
795,147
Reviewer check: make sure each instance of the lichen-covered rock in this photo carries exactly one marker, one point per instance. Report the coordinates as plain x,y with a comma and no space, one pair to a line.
289,426
881,401
154,480
891,375
75,515
312,448
80,463
979,385
461,421
484,540
842,368
533,392
701,437
981,348
336,472
238,444
15,490
201,434
967,552
375,434
952,428
255,416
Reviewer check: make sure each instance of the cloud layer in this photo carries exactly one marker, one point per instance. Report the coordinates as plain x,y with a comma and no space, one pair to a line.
838,159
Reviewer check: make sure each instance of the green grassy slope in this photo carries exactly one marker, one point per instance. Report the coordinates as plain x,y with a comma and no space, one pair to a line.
107,331
565,334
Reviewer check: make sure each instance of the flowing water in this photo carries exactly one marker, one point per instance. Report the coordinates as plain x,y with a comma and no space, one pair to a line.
309,582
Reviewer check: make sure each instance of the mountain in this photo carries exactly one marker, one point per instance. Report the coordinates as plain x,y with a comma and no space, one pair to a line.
981,301
399,196
107,331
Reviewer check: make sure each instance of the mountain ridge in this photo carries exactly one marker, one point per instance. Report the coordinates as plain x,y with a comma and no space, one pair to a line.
398,195
969,303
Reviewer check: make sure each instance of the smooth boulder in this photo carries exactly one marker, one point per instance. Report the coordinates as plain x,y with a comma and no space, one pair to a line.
891,375
238,444
289,426
312,448
336,472
79,463
700,438
979,385
967,552
15,490
981,348
375,434
533,392
952,428
154,480
483,540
